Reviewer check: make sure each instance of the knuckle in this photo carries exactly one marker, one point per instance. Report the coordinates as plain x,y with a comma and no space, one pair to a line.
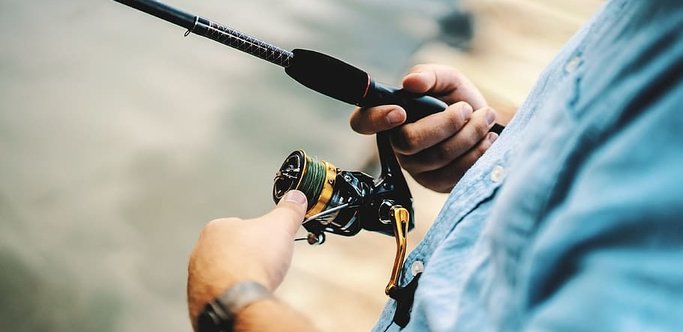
463,110
486,109
214,223
219,223
444,152
407,141
211,227
482,128
457,73
419,68
455,119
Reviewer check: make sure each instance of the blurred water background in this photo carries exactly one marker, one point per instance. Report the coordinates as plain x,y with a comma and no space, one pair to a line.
120,138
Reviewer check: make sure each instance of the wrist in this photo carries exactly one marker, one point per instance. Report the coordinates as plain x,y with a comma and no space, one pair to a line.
219,314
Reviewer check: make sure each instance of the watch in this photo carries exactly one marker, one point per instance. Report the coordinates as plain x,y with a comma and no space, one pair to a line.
219,314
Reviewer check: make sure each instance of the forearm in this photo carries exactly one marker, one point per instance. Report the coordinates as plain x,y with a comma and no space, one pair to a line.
237,263
271,315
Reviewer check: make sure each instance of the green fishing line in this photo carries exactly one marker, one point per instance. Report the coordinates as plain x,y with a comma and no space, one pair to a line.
313,180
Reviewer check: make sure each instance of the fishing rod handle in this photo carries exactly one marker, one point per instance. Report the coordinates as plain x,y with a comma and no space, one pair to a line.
417,106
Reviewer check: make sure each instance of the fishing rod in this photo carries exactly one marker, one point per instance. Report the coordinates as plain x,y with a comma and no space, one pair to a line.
341,202
317,71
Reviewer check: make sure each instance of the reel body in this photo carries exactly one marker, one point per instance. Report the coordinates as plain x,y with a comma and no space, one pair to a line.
345,202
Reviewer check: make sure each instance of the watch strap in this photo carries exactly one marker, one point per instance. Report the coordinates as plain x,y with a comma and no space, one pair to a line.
219,314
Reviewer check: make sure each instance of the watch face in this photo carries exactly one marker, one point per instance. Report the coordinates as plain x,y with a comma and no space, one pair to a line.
210,321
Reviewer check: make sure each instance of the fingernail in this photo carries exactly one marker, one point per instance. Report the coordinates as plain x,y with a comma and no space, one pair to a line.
466,111
490,117
296,197
492,137
395,117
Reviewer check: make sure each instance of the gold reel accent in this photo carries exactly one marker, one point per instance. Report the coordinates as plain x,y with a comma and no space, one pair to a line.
326,193
399,218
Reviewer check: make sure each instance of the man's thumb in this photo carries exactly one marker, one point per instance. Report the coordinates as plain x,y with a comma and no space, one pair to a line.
290,210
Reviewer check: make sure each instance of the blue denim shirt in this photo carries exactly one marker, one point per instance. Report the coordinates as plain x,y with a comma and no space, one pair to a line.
573,220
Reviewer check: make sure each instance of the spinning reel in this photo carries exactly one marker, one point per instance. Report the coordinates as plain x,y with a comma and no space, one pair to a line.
345,202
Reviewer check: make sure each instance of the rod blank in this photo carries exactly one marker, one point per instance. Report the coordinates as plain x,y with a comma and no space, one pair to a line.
162,11
214,31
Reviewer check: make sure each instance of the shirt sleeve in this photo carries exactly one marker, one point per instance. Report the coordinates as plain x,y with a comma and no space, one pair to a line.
610,257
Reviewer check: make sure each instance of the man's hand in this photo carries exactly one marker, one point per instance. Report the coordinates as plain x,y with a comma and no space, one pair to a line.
437,149
233,250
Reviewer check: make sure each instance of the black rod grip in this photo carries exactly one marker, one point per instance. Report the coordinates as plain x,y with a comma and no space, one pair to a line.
342,81
417,106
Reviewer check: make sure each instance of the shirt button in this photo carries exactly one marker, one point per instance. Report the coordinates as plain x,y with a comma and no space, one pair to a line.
572,64
497,174
417,268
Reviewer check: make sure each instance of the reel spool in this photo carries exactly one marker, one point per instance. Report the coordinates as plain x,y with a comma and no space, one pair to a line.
333,195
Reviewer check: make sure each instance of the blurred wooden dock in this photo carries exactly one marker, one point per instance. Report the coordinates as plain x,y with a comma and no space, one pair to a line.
340,285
